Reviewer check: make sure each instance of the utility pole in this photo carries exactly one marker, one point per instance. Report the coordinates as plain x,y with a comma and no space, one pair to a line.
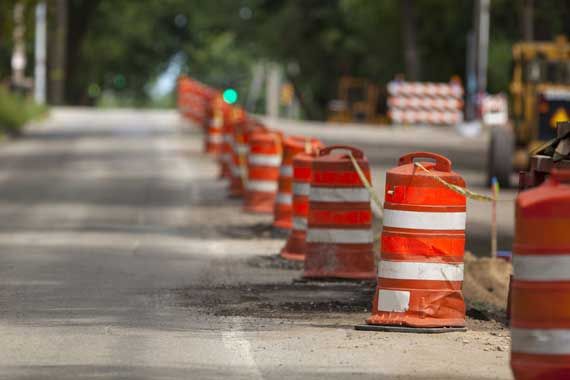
482,35
18,61
40,53
274,76
255,87
471,78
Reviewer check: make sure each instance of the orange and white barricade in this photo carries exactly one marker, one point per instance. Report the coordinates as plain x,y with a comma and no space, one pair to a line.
225,157
263,163
292,145
540,290
420,274
294,248
425,103
214,137
339,241
243,129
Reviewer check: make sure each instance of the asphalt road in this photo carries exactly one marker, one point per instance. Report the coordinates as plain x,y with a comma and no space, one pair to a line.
121,259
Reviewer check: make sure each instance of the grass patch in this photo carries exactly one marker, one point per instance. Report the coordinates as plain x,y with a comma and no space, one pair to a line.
16,111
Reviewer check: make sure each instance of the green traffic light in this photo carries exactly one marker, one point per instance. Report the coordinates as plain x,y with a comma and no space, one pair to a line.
230,96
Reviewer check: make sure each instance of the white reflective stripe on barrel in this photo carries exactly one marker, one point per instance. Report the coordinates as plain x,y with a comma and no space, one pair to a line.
265,159
541,267
242,148
301,189
336,194
284,199
541,341
424,220
263,186
403,270
215,139
286,171
229,139
299,223
339,236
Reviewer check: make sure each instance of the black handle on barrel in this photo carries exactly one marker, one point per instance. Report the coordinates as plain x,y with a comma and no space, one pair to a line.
357,153
443,164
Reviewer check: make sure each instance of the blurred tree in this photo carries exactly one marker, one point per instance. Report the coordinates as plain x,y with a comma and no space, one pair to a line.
408,21
123,46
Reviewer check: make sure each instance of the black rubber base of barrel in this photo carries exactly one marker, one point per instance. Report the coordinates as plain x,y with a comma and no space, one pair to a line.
407,329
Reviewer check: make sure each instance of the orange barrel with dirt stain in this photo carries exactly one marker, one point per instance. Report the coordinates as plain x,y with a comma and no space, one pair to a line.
540,293
263,162
294,248
243,129
339,231
214,138
283,210
420,274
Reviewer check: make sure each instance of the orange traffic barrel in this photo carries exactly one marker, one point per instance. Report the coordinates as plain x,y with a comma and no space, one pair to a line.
339,241
420,274
540,293
214,137
225,157
283,210
263,162
243,128
294,248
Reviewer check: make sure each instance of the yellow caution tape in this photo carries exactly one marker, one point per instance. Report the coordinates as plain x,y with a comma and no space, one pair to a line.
366,184
458,189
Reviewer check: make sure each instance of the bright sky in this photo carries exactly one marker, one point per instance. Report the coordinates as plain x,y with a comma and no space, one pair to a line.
166,81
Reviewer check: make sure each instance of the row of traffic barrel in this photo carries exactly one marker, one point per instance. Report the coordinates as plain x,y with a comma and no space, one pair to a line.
317,195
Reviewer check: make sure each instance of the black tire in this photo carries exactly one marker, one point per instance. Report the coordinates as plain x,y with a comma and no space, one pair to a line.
500,155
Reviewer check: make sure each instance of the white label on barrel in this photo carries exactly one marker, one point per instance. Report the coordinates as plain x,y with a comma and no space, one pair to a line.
393,300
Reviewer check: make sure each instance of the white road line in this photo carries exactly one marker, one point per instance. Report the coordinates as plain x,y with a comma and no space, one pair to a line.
235,341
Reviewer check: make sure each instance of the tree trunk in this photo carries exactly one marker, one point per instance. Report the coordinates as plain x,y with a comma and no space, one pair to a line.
408,22
527,20
78,25
57,52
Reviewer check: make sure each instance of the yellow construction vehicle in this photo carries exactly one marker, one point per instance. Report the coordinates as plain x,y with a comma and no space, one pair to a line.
358,100
540,97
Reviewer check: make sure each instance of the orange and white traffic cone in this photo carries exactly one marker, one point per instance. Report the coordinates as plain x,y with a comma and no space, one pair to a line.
295,246
540,298
292,145
420,274
339,233
263,162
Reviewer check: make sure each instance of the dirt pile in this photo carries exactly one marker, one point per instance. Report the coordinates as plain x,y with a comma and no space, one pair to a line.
486,285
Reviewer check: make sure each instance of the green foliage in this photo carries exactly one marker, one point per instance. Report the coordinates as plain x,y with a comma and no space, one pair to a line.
500,61
16,111
117,49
